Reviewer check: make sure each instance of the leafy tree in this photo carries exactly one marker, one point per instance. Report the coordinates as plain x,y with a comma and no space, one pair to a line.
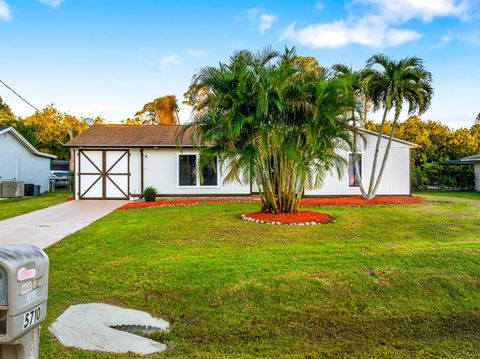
54,128
6,112
161,111
397,83
270,119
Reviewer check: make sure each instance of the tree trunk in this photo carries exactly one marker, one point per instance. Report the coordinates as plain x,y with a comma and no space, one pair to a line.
385,156
355,160
375,158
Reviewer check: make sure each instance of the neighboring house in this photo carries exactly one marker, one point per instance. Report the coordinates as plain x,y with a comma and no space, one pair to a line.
19,160
468,161
119,161
475,160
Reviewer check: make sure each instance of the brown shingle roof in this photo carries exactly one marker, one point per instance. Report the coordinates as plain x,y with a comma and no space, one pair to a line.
129,136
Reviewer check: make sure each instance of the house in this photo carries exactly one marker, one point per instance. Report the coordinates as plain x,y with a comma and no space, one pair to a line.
19,160
119,161
468,161
475,160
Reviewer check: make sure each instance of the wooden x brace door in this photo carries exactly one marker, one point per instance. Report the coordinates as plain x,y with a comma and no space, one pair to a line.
104,174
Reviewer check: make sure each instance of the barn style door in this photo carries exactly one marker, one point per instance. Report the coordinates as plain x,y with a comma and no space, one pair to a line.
104,174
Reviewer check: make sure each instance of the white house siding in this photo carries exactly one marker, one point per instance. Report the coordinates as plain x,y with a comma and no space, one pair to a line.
396,176
135,173
17,162
161,172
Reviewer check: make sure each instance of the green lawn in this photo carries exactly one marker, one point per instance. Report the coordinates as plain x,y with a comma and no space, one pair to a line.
396,281
16,206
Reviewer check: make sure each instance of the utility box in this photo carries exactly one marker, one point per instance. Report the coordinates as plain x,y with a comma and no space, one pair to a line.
32,190
23,300
12,189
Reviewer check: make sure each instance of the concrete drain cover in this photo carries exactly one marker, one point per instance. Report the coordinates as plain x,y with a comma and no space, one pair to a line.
107,328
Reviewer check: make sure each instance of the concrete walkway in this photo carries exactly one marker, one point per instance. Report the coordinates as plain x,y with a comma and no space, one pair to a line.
47,226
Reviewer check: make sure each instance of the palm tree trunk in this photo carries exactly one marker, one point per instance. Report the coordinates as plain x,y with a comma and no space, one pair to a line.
355,159
375,158
387,151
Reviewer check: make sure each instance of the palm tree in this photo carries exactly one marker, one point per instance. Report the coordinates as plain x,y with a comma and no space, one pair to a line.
361,105
272,120
399,82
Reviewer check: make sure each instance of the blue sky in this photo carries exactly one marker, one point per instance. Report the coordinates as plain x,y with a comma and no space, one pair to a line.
108,58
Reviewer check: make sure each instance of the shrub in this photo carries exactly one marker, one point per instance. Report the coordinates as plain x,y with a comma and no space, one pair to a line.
149,193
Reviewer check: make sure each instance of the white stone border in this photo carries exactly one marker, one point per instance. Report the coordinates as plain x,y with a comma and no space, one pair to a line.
253,220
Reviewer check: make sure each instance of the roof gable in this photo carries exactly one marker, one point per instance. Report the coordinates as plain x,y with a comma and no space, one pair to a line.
473,158
406,143
24,142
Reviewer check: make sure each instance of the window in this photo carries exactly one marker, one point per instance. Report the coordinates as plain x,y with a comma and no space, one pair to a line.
209,173
189,176
187,165
353,181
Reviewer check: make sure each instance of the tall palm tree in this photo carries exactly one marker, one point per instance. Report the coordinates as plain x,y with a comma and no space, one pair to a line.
270,119
396,83
361,105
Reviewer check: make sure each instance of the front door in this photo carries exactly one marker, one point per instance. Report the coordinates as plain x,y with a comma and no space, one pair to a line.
104,174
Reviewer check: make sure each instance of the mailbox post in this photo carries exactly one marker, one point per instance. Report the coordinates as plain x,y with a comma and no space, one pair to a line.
23,300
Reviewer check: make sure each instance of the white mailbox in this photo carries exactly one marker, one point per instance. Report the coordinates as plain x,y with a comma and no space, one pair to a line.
23,300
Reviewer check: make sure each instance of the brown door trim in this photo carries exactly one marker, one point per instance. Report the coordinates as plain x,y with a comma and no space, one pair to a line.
103,174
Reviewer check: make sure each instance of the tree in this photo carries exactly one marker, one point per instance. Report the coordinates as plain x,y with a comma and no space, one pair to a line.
271,120
397,83
53,129
6,112
477,119
161,111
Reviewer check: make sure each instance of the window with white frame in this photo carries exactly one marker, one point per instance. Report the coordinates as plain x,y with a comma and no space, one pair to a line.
189,176
353,181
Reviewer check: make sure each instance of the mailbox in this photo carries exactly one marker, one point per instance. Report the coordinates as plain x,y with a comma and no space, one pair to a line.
23,299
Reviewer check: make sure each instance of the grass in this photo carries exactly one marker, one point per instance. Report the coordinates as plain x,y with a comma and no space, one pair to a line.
16,206
395,281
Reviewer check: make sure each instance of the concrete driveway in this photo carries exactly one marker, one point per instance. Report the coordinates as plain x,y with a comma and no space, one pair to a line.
47,226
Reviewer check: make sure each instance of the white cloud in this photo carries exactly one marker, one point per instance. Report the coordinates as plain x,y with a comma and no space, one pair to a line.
260,19
369,31
266,21
426,10
52,3
196,52
445,40
5,14
168,61
379,23
319,6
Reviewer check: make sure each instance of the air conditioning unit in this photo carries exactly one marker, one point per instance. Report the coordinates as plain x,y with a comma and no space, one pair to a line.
12,189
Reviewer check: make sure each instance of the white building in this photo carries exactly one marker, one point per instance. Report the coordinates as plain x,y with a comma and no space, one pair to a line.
119,161
19,160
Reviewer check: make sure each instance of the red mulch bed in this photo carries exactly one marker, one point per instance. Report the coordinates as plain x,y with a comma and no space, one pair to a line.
334,201
71,198
303,217
359,201
138,205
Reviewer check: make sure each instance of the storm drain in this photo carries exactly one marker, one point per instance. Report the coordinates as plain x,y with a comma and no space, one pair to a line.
136,329
108,328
